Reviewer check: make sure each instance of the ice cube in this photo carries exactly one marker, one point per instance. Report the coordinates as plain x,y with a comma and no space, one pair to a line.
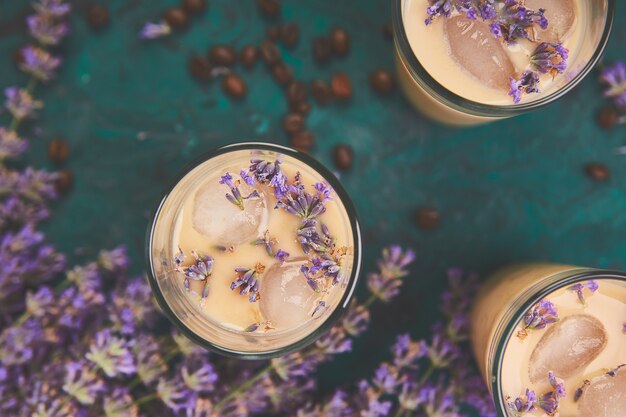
561,15
222,221
475,49
286,298
605,396
567,347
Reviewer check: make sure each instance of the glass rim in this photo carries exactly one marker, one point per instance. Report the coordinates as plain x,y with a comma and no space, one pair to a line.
570,277
440,93
351,283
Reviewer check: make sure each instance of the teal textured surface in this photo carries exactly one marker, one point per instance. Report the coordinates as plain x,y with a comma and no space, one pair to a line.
509,191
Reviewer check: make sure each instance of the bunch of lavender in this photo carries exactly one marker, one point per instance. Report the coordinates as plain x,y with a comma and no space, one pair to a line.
613,79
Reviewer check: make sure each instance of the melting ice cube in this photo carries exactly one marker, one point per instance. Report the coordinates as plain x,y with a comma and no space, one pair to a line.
605,396
222,221
561,15
475,49
286,298
567,347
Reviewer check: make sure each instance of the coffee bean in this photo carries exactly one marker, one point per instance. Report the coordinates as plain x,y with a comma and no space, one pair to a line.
321,50
321,92
269,52
273,33
293,123
427,218
176,18
282,74
382,81
302,141
58,151
269,8
302,107
222,56
248,56
343,156
339,41
234,86
290,35
388,31
607,118
194,6
296,91
63,181
341,86
98,16
200,68
598,172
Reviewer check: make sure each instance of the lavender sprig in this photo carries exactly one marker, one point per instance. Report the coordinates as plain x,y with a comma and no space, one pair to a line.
579,288
20,103
549,401
235,196
527,83
541,315
270,174
39,63
385,284
297,201
614,79
515,21
248,281
550,58
268,242
523,405
314,236
471,8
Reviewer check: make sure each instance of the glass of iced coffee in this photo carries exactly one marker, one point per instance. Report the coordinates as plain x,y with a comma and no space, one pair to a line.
255,250
466,62
550,340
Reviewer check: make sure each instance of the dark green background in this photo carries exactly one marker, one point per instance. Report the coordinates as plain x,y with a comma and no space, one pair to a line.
512,190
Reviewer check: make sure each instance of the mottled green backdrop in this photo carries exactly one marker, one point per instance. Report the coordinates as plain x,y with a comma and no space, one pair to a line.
509,191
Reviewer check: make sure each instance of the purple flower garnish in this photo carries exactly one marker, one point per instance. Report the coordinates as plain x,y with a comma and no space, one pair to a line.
310,279
256,326
268,242
202,269
522,405
614,78
542,314
320,309
514,21
549,401
111,354
270,174
235,196
20,103
38,63
550,58
327,266
385,284
311,239
155,30
281,255
591,285
527,83
248,281
11,145
47,29
300,203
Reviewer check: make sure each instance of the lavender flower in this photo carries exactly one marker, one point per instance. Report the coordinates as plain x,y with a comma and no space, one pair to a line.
438,402
386,379
300,203
119,403
334,341
591,285
514,21
268,242
293,365
150,363
111,354
115,260
269,173
11,145
131,307
281,256
38,63
527,83
40,303
310,279
550,58
20,103
203,377
18,344
522,405
614,78
235,196
356,320
81,383
314,236
471,8
406,352
155,30
549,401
55,8
174,394
266,325
385,284
376,408
542,314
248,281
47,29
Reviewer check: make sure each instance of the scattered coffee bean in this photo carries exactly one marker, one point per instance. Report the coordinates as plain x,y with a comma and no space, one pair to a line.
302,141
293,123
341,86
273,33
321,92
598,172
343,156
427,218
339,41
282,74
248,56
222,56
382,81
269,8
98,16
321,50
607,118
194,6
58,151
269,52
388,31
296,91
302,107
176,18
234,86
200,68
290,35
63,181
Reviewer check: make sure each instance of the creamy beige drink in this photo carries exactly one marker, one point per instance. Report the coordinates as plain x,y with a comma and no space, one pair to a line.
566,354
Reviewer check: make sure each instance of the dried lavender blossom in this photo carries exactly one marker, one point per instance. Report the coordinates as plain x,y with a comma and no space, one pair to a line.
471,8
20,103
314,236
155,30
385,284
549,401
268,242
235,196
522,405
541,315
111,354
579,288
515,21
281,256
11,145
550,58
297,201
38,63
47,29
614,79
248,281
527,83
270,174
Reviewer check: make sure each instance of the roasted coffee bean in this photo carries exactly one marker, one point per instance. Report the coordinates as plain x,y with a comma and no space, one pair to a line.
382,81
248,56
199,68
234,86
58,151
296,91
388,31
176,18
222,56
302,141
321,50
302,107
98,16
269,52
598,172
63,181
194,6
343,156
607,118
341,86
282,74
290,35
293,123
320,91
339,41
273,33
269,8
427,218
